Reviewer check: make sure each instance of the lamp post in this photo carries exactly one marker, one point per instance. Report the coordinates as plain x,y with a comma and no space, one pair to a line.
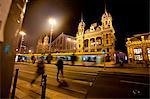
22,39
52,22
103,52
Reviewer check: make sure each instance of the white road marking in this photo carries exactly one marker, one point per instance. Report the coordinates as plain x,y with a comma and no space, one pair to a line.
139,83
68,79
86,73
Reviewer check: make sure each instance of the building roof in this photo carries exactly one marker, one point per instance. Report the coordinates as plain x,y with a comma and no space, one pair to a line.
137,37
62,34
142,34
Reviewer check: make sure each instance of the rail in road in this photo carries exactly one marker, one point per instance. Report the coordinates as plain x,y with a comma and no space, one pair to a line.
79,81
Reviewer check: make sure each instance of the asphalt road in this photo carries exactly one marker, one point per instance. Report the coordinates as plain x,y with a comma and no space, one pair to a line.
120,85
92,82
79,79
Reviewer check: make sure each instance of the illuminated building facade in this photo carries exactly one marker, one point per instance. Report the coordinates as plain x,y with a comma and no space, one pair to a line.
63,43
43,45
138,48
97,38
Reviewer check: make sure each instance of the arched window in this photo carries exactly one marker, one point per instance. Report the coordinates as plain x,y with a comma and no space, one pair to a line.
107,42
107,49
86,43
106,36
79,45
98,41
92,40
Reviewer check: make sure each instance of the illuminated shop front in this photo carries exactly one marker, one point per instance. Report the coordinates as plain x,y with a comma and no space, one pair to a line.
138,48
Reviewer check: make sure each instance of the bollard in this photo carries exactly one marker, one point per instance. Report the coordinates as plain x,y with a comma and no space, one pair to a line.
43,83
14,85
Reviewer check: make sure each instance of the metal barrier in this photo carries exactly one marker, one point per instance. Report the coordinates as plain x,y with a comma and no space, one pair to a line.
43,83
14,85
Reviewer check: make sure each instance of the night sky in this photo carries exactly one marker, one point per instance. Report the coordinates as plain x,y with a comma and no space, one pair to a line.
129,17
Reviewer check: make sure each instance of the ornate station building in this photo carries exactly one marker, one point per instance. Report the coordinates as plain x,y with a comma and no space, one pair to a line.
97,38
138,47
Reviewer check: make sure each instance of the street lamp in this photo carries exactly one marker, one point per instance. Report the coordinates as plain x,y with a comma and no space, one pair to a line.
30,51
22,39
52,22
103,52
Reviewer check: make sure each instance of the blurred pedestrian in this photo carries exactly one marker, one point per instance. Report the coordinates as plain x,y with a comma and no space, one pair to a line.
59,68
40,69
121,62
72,59
146,63
48,58
33,59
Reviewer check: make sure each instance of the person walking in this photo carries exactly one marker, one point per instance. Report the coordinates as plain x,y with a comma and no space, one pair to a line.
59,68
48,58
73,59
33,59
40,69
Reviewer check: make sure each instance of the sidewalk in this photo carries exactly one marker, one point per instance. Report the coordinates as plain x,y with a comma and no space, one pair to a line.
25,91
107,64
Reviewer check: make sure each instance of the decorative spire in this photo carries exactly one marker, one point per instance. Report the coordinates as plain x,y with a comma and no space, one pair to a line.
105,6
81,17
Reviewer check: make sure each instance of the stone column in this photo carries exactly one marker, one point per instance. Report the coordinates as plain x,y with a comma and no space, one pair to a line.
89,44
144,50
95,44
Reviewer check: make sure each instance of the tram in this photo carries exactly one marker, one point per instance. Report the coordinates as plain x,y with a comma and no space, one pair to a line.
77,58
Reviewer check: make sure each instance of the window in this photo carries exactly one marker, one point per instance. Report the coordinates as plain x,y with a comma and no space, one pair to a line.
107,49
92,50
106,36
99,49
138,51
85,43
107,42
86,50
99,41
92,41
148,52
138,54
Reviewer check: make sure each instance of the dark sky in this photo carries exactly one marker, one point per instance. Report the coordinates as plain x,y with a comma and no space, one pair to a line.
129,17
